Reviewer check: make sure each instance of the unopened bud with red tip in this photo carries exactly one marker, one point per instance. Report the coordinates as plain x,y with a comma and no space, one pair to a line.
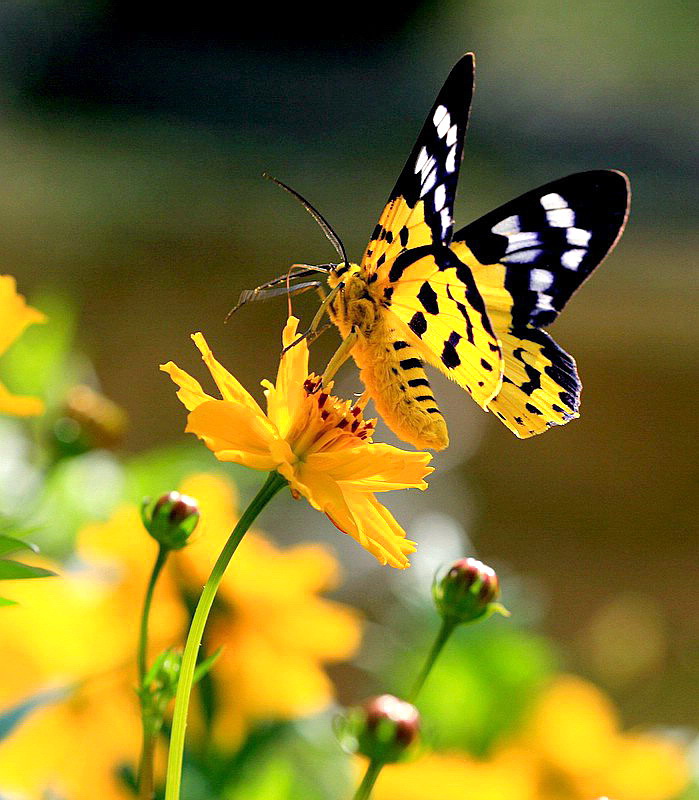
469,591
172,519
383,728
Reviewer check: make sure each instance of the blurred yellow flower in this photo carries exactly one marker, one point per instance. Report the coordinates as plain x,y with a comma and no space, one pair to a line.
508,776
62,637
571,748
276,631
15,316
574,733
320,444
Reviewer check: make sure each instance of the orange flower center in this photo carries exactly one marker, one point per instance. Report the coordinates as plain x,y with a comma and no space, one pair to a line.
325,422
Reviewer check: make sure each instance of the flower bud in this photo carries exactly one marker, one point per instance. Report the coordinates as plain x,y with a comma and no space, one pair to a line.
467,592
383,729
172,520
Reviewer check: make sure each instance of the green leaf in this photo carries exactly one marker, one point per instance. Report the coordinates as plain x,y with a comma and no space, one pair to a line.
13,570
205,666
8,544
5,602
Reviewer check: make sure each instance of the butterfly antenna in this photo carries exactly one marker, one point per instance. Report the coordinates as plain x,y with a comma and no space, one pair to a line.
332,237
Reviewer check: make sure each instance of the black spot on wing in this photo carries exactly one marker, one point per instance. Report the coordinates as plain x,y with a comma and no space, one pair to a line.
464,313
399,345
450,358
418,324
445,259
411,363
406,259
428,297
418,382
533,374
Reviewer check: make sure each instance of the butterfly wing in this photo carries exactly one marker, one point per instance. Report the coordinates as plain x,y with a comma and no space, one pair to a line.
419,209
528,258
421,282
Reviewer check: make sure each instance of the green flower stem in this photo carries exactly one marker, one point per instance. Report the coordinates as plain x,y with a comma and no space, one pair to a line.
445,631
143,638
372,773
145,768
271,486
146,785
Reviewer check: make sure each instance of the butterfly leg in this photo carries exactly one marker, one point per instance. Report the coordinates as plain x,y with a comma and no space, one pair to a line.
315,322
363,400
341,355
266,289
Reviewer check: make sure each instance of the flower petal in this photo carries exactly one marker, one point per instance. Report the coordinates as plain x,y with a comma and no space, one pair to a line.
378,530
15,314
234,432
357,514
286,398
374,467
190,392
19,405
230,388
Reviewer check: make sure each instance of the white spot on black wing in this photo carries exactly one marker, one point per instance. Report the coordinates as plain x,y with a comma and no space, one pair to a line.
572,258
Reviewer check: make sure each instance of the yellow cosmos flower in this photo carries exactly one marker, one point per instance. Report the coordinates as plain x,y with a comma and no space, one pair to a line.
320,444
15,316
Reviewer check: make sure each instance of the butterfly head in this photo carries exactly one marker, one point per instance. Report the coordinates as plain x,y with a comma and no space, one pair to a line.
341,273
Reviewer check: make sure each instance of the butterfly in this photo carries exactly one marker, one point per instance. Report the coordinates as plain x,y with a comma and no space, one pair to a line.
473,303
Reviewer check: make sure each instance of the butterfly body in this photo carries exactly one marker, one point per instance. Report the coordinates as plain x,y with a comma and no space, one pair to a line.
390,366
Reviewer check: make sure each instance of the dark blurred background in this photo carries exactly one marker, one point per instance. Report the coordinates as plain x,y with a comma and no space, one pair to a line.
132,140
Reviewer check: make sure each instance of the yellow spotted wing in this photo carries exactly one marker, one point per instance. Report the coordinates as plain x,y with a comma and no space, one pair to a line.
528,258
431,292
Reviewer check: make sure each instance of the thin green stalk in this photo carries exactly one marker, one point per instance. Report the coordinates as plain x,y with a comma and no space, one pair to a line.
146,785
271,486
372,773
145,767
143,638
445,631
